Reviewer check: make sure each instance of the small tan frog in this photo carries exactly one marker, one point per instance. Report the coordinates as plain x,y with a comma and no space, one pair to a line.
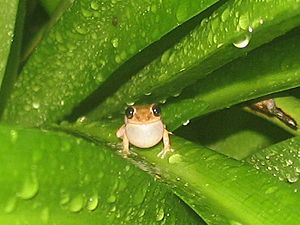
144,128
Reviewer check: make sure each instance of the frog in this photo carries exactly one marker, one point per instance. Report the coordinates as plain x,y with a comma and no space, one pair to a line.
143,127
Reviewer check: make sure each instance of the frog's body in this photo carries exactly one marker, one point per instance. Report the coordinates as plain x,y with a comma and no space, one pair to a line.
144,128
144,135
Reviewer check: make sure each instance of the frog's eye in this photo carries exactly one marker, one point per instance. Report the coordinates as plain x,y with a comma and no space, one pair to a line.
156,110
129,112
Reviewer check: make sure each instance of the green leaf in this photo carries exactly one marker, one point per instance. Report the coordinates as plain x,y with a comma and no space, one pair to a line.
13,60
233,132
280,160
220,189
232,30
53,178
50,5
271,68
89,42
8,14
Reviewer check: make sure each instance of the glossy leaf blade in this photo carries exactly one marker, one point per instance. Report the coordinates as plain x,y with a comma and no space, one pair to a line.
89,42
220,189
280,160
53,178
233,132
14,58
232,30
272,68
8,13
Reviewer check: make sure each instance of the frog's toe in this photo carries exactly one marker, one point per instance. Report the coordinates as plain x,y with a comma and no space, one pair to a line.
164,152
125,153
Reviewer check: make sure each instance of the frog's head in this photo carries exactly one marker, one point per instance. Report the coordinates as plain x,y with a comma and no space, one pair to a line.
142,114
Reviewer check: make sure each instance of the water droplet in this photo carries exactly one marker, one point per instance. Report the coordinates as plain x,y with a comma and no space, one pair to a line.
215,25
118,59
289,162
86,13
113,209
261,21
45,215
292,178
127,168
92,203
165,57
81,29
76,204
130,103
10,205
176,94
123,55
111,199
30,188
175,158
36,105
13,136
160,214
142,213
81,119
243,41
225,15
139,195
233,222
220,45
95,5
244,21
115,42
271,190
162,101
186,123
182,12
64,199
35,88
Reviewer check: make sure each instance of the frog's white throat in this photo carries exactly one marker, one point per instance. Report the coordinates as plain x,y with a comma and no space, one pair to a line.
144,135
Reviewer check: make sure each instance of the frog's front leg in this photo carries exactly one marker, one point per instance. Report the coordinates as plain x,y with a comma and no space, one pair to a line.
122,134
167,145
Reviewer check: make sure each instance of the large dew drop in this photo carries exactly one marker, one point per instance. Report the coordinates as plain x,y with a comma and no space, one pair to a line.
242,42
76,204
160,214
29,189
92,203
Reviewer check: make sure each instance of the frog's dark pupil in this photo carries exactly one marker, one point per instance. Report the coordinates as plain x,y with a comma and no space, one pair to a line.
156,110
129,112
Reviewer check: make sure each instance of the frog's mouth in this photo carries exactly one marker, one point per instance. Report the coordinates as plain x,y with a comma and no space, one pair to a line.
143,122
